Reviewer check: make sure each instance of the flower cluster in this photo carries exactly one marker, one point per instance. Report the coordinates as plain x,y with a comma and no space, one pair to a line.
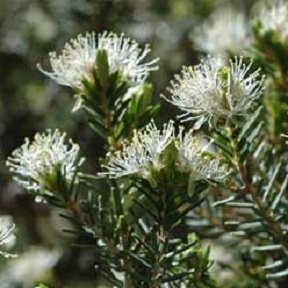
274,18
193,156
143,151
147,148
213,91
34,161
225,31
79,57
7,237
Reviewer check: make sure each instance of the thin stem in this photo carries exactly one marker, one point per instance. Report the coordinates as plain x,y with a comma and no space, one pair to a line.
162,235
117,199
111,139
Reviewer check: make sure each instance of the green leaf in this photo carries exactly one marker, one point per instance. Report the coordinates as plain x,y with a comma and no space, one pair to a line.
248,126
147,210
278,275
102,68
99,129
271,182
145,244
280,194
117,92
176,277
141,261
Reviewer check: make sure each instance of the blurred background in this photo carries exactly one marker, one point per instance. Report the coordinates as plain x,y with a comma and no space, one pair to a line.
179,32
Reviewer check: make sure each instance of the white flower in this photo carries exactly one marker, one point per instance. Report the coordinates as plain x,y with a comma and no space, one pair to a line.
7,236
274,17
154,140
213,91
139,155
193,156
79,57
30,267
147,150
227,30
34,161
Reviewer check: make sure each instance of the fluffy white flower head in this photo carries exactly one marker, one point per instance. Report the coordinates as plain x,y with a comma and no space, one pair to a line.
274,17
34,161
191,157
7,236
147,147
143,151
79,57
225,31
213,91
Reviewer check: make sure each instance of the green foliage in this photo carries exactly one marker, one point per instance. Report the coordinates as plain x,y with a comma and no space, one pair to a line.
270,51
150,231
113,111
253,199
